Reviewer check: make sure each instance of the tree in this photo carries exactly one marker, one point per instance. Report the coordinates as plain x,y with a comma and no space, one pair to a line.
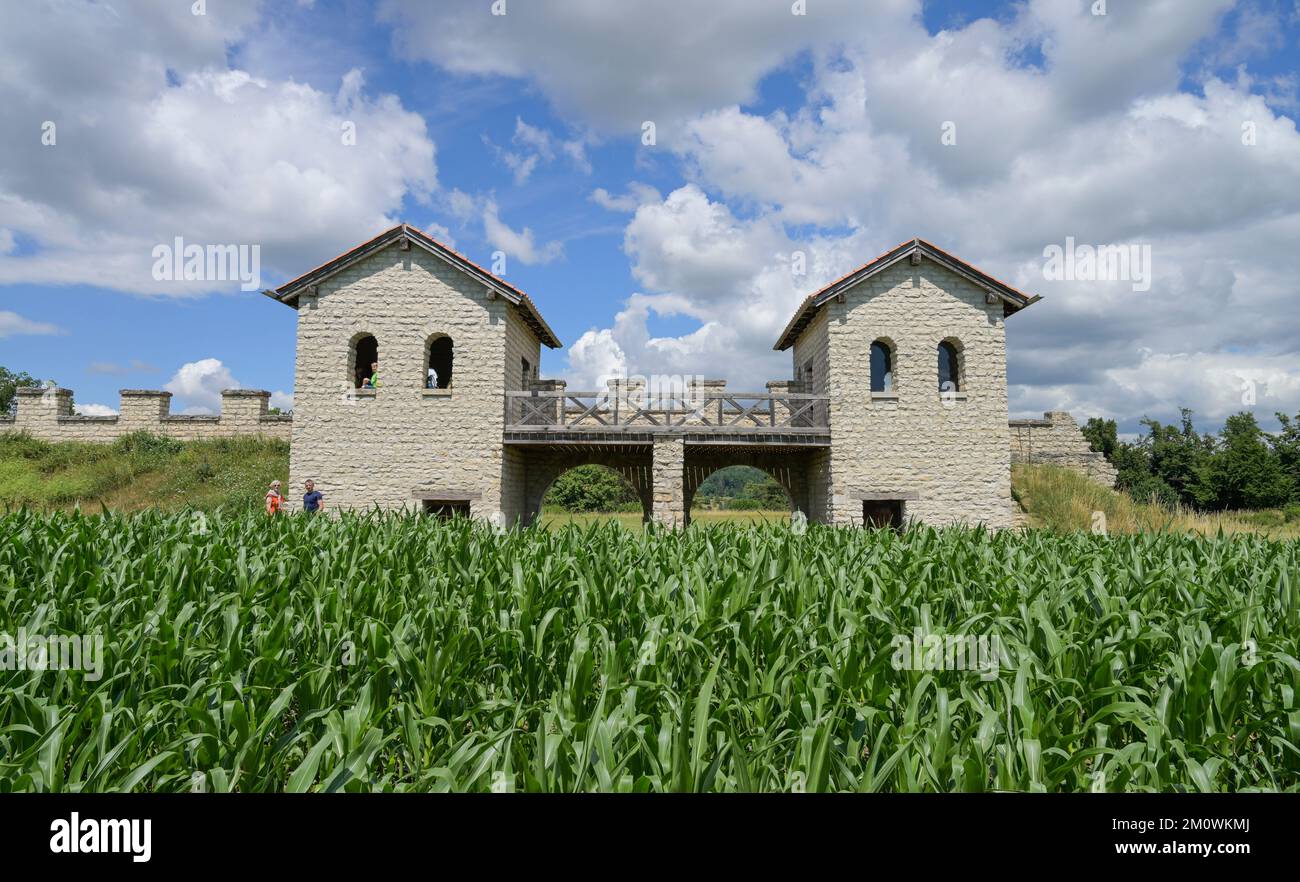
1245,471
9,382
1178,459
590,488
769,494
1103,435
1287,445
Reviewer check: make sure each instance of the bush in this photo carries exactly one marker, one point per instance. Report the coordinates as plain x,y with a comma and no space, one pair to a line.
144,444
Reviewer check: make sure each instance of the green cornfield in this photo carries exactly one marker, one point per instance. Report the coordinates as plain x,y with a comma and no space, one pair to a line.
395,653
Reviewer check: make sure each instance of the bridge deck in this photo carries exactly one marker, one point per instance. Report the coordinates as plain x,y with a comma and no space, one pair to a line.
701,417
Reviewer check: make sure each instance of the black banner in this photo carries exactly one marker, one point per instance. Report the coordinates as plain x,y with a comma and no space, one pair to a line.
141,832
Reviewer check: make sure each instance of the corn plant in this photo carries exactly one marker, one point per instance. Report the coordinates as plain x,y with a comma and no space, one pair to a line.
393,653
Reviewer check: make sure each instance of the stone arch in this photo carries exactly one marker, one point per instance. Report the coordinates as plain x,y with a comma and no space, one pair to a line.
790,472
439,357
363,350
883,365
545,466
951,363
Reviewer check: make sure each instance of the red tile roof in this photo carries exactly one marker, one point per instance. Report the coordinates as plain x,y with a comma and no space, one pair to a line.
289,292
1013,299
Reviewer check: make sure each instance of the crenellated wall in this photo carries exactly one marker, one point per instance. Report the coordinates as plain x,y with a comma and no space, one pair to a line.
47,414
1057,440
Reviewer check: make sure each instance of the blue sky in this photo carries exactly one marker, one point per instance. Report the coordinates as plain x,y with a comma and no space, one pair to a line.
776,133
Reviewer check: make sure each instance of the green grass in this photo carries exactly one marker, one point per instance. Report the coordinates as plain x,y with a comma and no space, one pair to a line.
139,471
1061,500
400,653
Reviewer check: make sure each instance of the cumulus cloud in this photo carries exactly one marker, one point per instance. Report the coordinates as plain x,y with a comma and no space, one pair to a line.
153,136
12,324
1099,143
95,410
198,385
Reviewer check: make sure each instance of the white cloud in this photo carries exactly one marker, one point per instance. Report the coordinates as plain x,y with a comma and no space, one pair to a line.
440,233
593,358
734,277
156,138
637,194
535,147
198,385
12,324
95,410
519,244
617,64
1039,155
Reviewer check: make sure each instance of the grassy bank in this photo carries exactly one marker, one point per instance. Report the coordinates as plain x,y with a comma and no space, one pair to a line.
1061,500
138,472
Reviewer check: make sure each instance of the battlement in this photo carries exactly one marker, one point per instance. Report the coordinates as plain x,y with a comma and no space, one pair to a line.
47,414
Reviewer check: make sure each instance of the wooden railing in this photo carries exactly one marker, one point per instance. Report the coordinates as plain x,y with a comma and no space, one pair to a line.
747,412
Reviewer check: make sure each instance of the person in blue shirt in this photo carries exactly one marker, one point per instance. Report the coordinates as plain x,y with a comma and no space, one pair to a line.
313,500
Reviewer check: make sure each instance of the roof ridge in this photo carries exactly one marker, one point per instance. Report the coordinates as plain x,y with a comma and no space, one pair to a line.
809,305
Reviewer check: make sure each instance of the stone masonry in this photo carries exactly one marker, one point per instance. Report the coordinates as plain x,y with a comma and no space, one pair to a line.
1056,440
47,414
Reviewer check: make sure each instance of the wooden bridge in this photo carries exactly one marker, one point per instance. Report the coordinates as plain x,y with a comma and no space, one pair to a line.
700,416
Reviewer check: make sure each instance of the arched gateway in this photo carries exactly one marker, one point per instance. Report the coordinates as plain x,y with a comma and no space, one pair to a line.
847,446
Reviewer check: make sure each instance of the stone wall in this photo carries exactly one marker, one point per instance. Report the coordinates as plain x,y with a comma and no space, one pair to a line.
1056,440
47,414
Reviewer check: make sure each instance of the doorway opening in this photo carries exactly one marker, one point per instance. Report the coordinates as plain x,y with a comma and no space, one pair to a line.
882,514
446,510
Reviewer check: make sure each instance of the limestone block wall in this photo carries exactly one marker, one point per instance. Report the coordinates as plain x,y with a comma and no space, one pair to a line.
401,444
47,414
1057,440
668,492
946,456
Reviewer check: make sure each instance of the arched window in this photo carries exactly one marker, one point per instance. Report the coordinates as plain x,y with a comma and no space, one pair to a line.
439,363
363,359
950,379
882,367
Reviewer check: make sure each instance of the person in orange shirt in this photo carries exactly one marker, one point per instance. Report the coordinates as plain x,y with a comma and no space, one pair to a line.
274,499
